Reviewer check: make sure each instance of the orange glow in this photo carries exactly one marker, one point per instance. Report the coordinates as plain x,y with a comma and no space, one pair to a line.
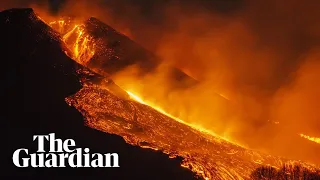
314,139
83,49
77,40
202,110
149,127
200,107
198,117
159,109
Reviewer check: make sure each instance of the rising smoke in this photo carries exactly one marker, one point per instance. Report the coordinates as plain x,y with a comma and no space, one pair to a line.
262,57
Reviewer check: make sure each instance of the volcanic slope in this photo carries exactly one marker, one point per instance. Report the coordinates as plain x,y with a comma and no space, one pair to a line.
39,76
115,52
112,52
106,51
208,155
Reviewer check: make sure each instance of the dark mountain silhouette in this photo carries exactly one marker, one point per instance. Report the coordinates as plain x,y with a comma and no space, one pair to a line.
39,77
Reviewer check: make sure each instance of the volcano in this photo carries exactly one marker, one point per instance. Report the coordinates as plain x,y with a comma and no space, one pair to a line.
39,78
126,52
52,89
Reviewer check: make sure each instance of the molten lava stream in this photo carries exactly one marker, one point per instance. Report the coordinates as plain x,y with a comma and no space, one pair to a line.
160,110
142,121
313,139
77,40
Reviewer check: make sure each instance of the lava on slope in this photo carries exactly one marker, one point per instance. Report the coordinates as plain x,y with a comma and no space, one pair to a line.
101,48
209,156
116,52
106,51
204,153
313,139
38,77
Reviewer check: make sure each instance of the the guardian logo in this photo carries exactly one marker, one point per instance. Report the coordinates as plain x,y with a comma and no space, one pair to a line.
62,154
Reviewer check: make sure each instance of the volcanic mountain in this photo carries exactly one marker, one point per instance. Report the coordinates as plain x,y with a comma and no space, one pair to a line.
109,53
111,50
55,88
39,76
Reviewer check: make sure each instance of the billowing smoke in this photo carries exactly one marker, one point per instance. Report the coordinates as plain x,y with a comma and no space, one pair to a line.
262,57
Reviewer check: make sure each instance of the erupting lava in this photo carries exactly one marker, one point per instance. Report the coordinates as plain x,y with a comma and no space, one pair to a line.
76,39
145,124
82,46
159,109
314,139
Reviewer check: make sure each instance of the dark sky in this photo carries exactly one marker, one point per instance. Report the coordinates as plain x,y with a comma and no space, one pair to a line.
147,5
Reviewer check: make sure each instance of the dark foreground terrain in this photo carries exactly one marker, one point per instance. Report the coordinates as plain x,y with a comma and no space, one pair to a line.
38,78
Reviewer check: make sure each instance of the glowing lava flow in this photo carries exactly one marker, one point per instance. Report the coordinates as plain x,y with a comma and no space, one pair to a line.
142,125
76,39
159,109
83,47
147,125
313,139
